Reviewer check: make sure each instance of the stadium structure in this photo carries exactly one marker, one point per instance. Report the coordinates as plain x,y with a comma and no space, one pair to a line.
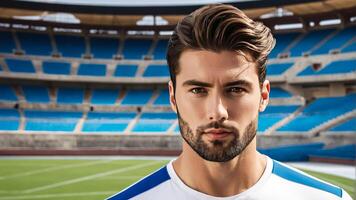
80,79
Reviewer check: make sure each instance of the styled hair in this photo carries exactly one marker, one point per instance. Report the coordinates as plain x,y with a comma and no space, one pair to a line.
220,27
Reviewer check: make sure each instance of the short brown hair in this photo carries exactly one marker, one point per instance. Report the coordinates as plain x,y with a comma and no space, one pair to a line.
216,28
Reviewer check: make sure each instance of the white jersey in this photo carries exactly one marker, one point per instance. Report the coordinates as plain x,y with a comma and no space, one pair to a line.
278,182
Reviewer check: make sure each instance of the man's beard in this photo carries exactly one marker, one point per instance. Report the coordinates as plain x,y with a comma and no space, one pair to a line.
217,150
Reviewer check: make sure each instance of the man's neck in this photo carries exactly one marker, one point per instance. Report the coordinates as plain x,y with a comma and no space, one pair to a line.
220,179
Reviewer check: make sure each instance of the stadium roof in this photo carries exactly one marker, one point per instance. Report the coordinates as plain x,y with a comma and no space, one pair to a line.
120,13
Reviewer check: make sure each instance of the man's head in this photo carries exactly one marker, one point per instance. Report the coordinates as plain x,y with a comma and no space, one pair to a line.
217,60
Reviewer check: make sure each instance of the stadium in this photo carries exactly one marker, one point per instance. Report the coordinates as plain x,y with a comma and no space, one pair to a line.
84,102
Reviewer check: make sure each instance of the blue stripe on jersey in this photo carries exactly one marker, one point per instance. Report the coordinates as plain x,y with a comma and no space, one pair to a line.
297,177
143,185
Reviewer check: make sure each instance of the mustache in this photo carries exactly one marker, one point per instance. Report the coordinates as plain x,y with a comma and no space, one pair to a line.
217,125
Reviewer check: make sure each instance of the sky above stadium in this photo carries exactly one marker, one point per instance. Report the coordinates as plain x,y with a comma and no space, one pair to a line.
136,2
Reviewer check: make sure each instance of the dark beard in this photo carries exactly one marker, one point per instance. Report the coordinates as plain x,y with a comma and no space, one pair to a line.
218,151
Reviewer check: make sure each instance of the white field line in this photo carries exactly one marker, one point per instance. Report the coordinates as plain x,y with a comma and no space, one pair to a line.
85,178
39,171
49,196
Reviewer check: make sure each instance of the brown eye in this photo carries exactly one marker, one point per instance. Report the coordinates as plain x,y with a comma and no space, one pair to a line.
235,90
198,91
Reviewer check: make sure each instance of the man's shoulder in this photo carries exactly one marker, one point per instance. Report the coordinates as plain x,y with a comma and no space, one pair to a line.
296,176
145,184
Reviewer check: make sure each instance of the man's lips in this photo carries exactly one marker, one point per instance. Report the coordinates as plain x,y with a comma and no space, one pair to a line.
218,133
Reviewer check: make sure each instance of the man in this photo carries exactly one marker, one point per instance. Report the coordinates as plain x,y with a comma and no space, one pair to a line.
217,59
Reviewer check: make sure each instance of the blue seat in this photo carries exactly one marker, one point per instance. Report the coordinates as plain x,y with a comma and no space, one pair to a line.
125,70
63,121
155,122
320,111
282,41
35,43
104,96
36,94
107,121
163,98
350,48
156,71
277,92
137,97
160,50
136,48
7,42
7,93
9,119
92,69
309,41
70,96
55,67
335,67
278,69
104,47
349,125
23,66
274,114
70,46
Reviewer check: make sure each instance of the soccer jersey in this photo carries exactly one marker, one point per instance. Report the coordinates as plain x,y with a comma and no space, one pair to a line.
278,182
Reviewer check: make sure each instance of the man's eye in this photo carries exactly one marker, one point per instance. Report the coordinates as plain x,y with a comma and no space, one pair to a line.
235,90
198,91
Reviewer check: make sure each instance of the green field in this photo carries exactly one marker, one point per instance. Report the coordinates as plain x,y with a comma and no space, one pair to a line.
86,179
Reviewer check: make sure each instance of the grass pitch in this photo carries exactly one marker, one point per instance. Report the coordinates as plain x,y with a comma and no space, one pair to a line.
35,179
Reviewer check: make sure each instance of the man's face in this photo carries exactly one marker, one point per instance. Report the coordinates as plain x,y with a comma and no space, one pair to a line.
217,99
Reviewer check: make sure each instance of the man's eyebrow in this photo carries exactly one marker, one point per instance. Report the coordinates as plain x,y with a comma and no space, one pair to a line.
238,82
197,83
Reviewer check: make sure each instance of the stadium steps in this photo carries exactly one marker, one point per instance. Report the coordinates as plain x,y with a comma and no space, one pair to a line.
322,42
110,70
151,50
153,98
328,124
141,68
132,124
79,126
4,66
17,42
74,68
284,121
87,51
53,43
171,129
38,66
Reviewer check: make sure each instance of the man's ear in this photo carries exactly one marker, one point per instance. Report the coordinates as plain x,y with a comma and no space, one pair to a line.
172,99
266,88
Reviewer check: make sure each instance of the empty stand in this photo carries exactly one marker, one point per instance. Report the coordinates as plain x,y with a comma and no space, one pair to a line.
70,96
56,67
137,97
350,48
155,122
278,68
36,94
35,43
349,125
104,96
102,47
125,70
162,99
277,92
70,46
7,42
156,71
7,93
88,69
282,41
9,119
160,50
274,114
23,66
107,121
136,48
335,67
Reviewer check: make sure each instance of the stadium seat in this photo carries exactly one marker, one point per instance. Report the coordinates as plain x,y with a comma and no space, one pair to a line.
160,50
54,121
282,41
162,99
104,47
136,49
9,119
7,93
125,70
92,70
347,152
349,125
349,48
137,97
55,67
104,96
309,41
278,69
22,66
70,46
277,92
156,71
36,94
70,96
155,122
320,111
7,42
274,114
114,122
35,43
335,67
337,41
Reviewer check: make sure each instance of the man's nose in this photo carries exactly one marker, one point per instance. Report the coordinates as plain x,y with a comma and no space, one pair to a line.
217,111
